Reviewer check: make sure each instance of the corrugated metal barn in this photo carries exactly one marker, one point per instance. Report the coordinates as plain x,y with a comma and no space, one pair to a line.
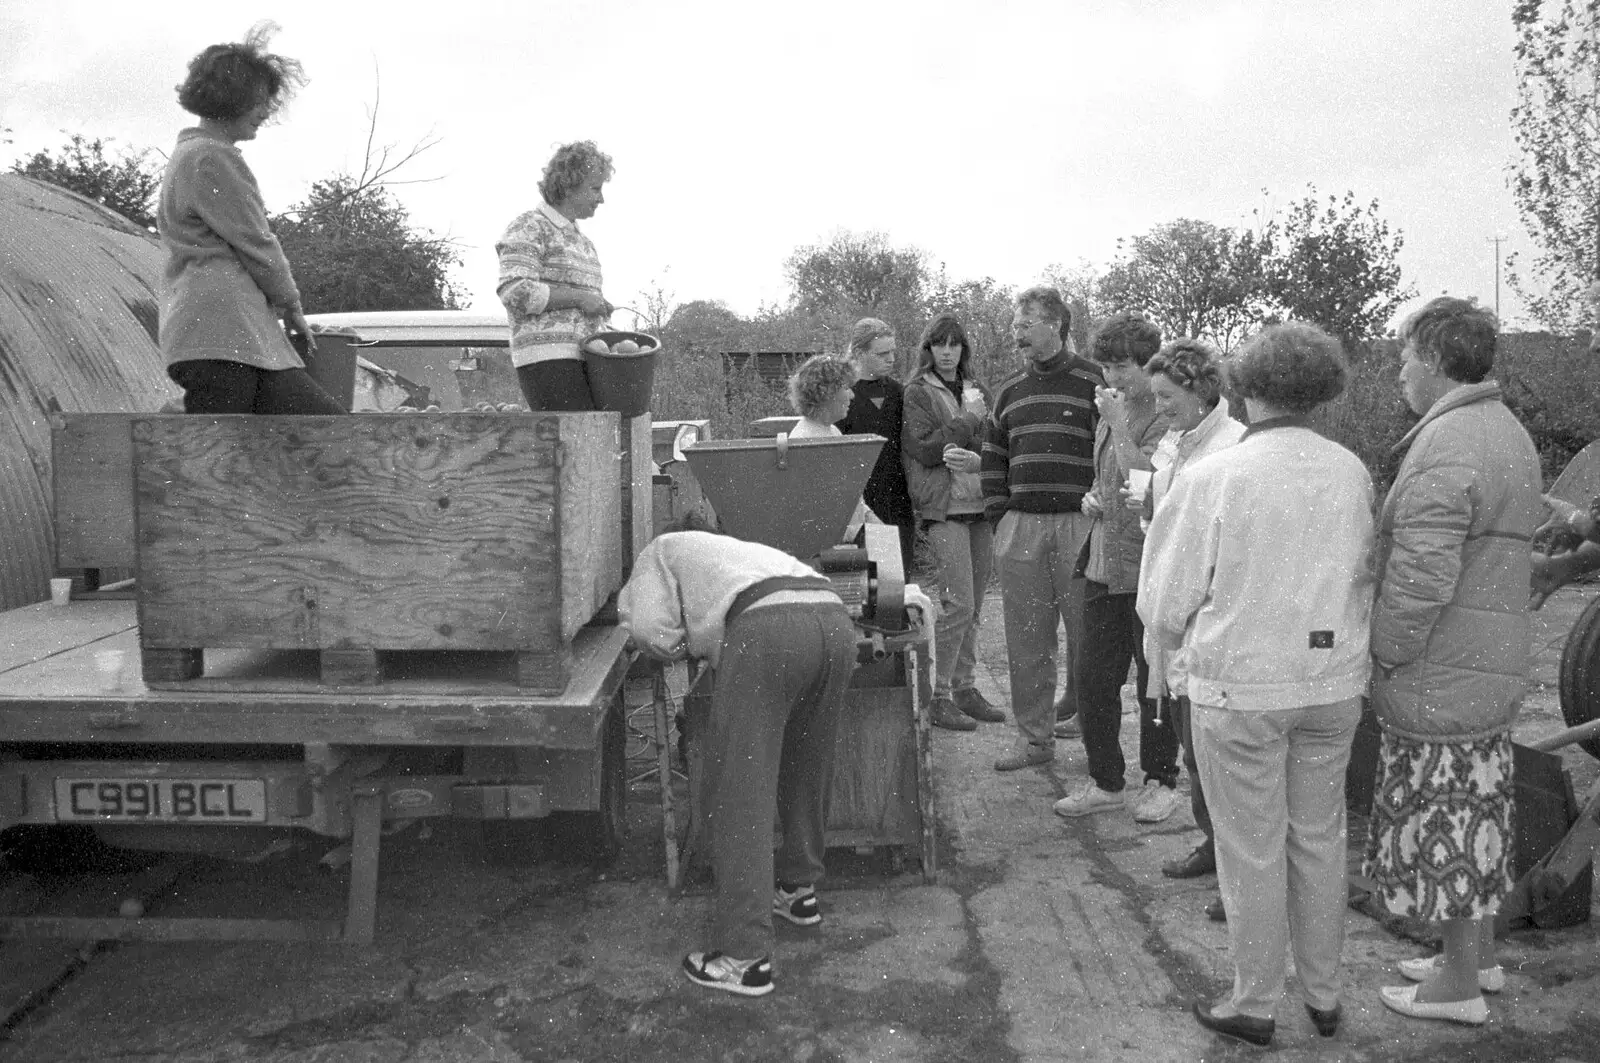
78,296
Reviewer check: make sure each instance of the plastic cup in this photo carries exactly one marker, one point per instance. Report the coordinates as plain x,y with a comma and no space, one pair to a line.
108,665
60,591
1139,483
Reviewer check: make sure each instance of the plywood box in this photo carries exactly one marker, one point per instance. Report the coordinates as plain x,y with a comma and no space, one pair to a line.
91,469
351,535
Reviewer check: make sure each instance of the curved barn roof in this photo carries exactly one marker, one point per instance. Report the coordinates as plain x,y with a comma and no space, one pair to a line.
78,311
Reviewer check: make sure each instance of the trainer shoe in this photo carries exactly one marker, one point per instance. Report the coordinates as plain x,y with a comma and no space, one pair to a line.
1088,799
943,713
798,905
748,978
1490,979
977,706
1154,802
1069,728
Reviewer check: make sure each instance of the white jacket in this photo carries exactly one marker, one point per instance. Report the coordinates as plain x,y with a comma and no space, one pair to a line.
1218,430
676,602
1257,567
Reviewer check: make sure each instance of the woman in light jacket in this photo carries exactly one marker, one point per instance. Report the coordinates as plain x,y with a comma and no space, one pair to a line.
1258,573
945,407
227,284
1186,379
1450,649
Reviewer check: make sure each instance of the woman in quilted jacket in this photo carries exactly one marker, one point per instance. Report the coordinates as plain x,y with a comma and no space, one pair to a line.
1450,652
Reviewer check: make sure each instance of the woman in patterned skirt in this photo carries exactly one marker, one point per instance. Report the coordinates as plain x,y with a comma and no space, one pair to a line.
1450,641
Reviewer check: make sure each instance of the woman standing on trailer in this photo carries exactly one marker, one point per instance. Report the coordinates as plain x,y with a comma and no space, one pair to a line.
227,284
550,280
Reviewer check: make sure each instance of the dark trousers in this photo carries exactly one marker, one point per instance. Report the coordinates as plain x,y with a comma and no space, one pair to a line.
894,507
1113,638
556,385
215,386
769,754
1182,717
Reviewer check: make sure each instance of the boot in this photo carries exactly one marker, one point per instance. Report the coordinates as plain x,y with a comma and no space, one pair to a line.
944,714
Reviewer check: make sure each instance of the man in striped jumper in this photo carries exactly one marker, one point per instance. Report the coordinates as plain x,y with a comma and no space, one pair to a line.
1038,463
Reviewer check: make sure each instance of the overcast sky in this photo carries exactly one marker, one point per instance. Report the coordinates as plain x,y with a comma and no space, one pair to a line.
1001,136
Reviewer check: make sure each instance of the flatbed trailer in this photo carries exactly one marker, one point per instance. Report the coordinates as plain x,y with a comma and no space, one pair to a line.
91,744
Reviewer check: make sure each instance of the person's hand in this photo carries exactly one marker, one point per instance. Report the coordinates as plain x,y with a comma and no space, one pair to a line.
1111,404
1564,531
1131,501
594,304
1091,507
294,319
1549,575
959,459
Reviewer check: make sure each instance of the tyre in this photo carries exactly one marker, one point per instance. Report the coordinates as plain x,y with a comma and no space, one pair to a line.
1580,674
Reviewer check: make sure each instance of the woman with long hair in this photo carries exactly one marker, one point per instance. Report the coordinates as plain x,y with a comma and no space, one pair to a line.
945,408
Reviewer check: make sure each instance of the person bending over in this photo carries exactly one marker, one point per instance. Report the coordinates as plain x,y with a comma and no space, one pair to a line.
782,647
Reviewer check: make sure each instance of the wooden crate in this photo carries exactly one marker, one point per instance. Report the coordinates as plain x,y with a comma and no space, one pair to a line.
375,532
92,481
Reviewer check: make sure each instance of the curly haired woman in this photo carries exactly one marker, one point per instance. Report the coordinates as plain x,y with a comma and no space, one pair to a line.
227,283
550,280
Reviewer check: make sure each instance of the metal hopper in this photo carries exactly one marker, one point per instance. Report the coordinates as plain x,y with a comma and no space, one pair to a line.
795,495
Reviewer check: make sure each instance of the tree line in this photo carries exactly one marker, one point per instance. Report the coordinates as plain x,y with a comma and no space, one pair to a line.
350,241
1328,259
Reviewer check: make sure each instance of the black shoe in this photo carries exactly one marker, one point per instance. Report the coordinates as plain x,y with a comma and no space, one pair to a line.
1243,1027
1216,912
1326,1022
977,706
944,713
1203,861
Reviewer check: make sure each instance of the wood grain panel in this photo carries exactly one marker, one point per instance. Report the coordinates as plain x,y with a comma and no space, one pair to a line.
590,522
92,473
373,531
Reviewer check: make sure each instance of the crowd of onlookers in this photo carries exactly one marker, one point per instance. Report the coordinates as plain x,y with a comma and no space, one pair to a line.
1154,506
1241,566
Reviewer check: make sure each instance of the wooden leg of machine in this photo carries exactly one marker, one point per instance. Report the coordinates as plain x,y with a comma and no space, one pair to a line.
366,814
924,745
669,821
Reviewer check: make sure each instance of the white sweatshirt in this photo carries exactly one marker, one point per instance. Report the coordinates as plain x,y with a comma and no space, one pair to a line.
683,584
1257,567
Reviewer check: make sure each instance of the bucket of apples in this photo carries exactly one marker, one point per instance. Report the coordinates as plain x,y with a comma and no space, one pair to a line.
622,370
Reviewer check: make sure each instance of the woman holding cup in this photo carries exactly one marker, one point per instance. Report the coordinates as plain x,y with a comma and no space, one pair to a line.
1186,380
945,410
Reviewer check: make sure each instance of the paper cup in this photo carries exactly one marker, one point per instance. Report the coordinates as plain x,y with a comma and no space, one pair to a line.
60,591
108,665
1139,483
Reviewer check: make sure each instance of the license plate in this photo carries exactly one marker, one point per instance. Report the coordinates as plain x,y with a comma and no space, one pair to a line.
212,801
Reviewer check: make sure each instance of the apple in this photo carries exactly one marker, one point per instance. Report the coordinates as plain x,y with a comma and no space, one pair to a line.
625,347
597,346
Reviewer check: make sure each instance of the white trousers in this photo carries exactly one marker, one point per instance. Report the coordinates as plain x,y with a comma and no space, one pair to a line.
1274,782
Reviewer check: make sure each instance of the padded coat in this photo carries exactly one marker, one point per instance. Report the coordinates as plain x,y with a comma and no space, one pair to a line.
1450,631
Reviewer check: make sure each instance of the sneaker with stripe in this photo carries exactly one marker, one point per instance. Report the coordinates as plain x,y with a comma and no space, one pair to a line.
798,905
747,978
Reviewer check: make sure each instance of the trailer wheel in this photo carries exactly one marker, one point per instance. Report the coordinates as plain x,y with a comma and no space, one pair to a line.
1580,673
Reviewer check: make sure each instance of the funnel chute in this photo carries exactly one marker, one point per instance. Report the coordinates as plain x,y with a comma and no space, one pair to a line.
796,495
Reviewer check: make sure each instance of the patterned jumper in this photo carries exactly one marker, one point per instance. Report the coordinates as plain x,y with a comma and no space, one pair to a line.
540,248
